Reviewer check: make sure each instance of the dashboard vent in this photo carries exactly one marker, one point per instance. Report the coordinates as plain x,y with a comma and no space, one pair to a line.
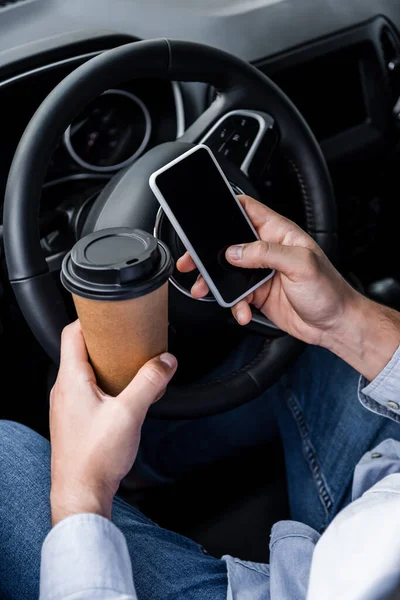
9,3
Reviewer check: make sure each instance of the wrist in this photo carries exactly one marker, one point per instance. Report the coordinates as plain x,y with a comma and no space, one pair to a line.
366,336
78,500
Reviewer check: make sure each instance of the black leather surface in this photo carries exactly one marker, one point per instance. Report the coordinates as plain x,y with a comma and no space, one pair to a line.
44,309
241,86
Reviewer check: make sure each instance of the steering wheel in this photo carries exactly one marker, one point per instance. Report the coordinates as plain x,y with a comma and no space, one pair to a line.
244,94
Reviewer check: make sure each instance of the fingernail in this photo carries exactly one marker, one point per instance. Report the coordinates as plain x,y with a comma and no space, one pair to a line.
168,359
241,317
235,252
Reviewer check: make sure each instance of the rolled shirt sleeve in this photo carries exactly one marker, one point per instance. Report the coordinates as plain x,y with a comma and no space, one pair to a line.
382,395
86,556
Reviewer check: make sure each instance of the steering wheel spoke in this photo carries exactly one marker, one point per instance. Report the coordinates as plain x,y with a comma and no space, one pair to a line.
246,138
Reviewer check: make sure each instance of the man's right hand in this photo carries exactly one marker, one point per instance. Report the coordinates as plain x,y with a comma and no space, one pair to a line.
307,297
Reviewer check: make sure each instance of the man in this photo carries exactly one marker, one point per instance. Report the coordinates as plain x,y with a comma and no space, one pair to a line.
329,418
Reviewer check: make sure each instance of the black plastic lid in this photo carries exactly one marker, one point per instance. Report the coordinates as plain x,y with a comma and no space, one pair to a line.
116,264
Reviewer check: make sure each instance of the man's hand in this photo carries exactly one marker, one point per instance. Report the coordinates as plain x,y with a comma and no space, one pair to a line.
307,297
95,437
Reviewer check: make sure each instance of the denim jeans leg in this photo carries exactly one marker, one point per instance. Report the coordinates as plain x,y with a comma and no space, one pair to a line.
324,428
164,564
325,431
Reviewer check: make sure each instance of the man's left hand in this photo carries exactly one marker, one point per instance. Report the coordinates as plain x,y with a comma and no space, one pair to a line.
95,437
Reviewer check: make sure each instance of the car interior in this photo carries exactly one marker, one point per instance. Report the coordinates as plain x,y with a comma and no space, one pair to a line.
300,102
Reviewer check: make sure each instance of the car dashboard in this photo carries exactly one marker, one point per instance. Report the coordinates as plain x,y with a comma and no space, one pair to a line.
346,84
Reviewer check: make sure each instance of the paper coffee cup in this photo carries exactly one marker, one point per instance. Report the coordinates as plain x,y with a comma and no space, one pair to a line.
119,283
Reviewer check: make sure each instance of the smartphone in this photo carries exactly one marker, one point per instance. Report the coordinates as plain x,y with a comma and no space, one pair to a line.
207,216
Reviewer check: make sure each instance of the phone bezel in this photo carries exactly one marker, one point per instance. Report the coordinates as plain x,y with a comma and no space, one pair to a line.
184,239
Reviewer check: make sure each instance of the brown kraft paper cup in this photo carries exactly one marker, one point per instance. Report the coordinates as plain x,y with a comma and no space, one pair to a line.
122,336
119,284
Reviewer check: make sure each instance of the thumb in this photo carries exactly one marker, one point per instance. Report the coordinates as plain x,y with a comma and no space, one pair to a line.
289,260
150,382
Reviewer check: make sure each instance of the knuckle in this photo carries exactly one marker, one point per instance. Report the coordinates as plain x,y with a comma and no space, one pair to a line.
261,251
154,375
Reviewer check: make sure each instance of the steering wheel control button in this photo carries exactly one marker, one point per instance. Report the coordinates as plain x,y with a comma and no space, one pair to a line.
246,126
220,136
234,137
116,264
246,138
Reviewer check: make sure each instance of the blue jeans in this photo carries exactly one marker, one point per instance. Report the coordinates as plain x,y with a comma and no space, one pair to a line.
324,430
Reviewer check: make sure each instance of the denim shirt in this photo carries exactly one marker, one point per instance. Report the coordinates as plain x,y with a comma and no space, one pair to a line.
86,556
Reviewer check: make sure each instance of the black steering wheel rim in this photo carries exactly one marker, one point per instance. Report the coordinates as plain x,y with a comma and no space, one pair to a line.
240,86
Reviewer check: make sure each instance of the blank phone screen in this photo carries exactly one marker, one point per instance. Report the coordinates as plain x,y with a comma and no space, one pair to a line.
208,213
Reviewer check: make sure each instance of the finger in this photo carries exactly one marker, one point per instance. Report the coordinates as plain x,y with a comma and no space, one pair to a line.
260,214
242,312
185,263
261,294
74,356
273,226
200,288
292,261
150,382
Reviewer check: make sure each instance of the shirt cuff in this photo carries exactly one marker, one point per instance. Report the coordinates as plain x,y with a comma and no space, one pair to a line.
382,395
84,553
